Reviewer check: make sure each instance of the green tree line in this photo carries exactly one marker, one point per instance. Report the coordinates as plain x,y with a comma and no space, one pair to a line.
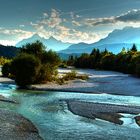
127,61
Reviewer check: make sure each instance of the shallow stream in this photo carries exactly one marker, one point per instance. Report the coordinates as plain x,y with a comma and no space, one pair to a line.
49,112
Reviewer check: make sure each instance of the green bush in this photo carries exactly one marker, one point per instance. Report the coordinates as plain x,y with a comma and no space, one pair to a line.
70,75
25,68
46,73
83,77
63,65
33,65
6,69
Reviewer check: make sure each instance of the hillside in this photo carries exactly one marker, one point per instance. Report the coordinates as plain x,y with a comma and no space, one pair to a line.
8,51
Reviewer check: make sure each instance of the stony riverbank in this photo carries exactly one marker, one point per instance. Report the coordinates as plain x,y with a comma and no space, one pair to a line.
108,112
99,82
13,126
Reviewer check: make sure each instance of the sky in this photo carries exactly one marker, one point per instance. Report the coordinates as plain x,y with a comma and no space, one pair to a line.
71,21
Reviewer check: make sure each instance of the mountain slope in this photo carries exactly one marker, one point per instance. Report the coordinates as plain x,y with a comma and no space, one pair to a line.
8,51
50,43
114,42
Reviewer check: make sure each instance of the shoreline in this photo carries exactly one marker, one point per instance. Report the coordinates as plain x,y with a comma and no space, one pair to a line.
63,90
14,125
99,82
104,111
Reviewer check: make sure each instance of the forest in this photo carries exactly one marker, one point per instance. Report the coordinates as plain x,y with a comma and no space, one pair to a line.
127,61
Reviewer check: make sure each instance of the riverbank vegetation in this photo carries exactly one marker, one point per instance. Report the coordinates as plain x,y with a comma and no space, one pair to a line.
72,75
127,61
4,60
33,64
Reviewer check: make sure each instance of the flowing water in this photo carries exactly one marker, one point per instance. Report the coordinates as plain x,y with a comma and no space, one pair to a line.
49,112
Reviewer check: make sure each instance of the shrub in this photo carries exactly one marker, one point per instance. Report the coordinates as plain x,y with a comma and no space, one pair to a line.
4,60
46,73
70,76
6,69
73,75
25,68
63,65
83,77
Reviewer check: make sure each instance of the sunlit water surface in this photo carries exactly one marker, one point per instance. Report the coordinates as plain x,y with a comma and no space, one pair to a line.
48,111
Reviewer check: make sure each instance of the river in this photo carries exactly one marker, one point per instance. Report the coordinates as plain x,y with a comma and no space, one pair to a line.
49,112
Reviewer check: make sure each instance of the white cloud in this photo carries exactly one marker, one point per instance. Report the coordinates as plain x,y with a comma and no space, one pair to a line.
76,29
7,42
76,23
51,20
129,17
14,35
54,24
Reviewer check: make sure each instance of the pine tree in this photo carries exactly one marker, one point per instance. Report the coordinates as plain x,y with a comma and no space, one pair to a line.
134,48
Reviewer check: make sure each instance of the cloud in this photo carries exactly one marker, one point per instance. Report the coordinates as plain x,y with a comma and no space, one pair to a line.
51,20
130,16
7,42
67,29
76,23
12,36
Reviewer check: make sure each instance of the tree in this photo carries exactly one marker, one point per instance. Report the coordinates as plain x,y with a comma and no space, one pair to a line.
93,52
25,68
6,69
107,62
134,48
36,48
123,50
50,57
34,64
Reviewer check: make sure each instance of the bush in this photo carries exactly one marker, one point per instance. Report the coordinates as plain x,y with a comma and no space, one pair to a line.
4,60
25,68
63,65
73,75
70,76
83,77
46,73
6,69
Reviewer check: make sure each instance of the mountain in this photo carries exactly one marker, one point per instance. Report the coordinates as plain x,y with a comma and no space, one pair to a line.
8,51
114,42
50,43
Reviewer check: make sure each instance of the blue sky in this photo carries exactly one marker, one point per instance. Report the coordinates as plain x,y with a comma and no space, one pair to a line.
67,20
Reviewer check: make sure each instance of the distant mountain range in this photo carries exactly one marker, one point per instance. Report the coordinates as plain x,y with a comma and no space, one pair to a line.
114,42
50,43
